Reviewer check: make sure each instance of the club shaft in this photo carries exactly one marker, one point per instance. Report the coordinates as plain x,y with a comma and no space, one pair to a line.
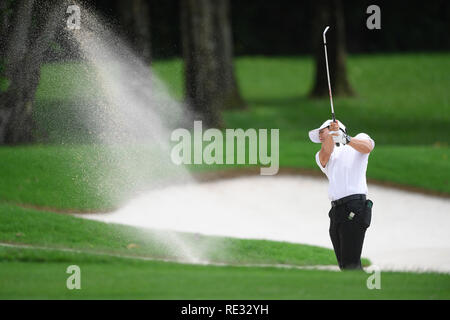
328,74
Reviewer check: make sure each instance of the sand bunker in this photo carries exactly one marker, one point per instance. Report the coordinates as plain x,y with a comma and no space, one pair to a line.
409,231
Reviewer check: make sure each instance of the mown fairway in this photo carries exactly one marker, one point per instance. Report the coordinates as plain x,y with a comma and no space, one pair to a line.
43,278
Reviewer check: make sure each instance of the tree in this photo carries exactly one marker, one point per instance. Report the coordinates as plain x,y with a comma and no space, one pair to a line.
28,26
224,53
135,20
330,13
210,82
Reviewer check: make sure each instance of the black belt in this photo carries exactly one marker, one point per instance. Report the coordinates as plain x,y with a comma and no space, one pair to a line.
347,199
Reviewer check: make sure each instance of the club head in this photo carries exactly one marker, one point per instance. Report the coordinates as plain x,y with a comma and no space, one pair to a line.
325,31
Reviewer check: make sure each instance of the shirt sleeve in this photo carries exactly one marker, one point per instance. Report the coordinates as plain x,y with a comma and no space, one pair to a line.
324,170
364,136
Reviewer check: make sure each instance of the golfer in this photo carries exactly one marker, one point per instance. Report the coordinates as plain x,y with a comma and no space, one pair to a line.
344,160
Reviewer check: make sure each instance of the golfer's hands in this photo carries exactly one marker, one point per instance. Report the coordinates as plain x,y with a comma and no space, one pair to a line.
338,137
334,126
334,130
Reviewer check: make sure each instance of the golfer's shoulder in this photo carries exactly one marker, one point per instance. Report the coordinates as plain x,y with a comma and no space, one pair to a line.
365,136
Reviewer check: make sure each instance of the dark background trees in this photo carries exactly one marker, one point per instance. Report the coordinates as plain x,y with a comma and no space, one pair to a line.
206,39
284,27
165,28
330,13
134,17
27,29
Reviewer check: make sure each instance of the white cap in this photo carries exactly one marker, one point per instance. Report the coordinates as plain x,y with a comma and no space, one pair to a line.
314,134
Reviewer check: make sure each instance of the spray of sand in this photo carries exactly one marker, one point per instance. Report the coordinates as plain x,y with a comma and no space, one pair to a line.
132,120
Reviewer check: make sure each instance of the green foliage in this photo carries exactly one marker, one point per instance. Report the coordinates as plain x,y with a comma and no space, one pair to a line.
4,84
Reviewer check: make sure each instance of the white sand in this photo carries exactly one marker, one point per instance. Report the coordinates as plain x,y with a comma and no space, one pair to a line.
409,231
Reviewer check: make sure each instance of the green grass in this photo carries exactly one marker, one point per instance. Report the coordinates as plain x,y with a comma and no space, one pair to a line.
426,167
402,102
31,273
86,177
80,177
27,226
132,279
401,99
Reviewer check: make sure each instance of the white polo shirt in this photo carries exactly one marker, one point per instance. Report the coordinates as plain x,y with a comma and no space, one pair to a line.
346,170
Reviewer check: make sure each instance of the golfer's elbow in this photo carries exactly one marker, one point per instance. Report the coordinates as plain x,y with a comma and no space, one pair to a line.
363,146
368,147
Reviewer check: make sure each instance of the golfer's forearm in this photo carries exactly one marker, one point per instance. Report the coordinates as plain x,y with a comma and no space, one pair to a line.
326,150
328,145
363,146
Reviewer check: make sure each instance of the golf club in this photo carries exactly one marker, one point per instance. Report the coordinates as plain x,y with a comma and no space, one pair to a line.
328,75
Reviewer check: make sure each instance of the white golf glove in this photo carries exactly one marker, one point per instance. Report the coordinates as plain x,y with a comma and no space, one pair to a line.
341,137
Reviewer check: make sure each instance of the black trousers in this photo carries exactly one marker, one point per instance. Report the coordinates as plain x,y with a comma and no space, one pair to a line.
348,224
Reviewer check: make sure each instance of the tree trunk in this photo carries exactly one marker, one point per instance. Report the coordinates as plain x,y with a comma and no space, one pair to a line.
23,57
207,51
4,23
330,13
135,20
224,53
